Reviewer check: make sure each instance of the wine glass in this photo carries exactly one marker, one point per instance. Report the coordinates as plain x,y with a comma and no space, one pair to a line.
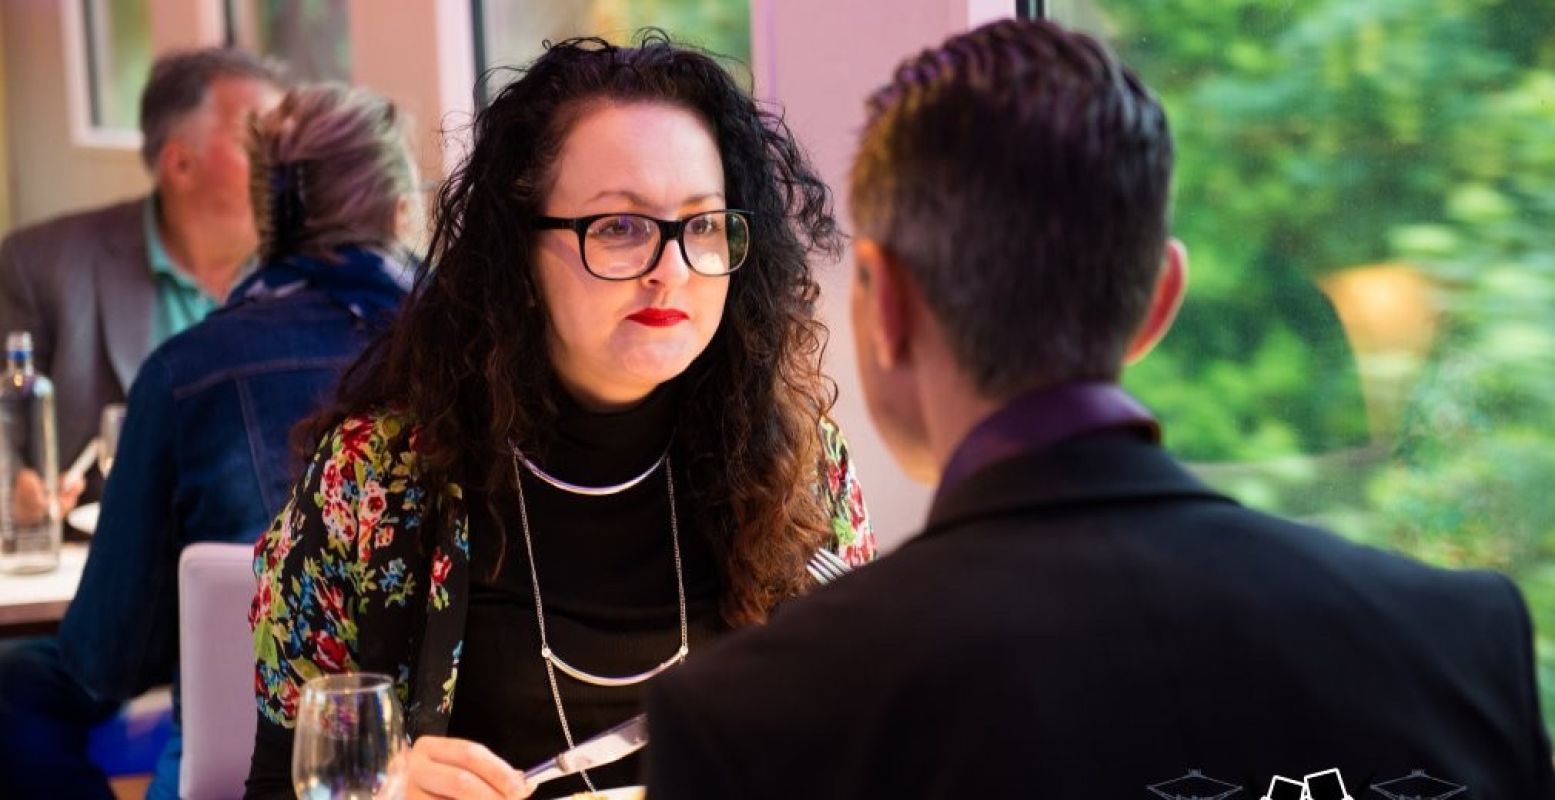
108,436
349,730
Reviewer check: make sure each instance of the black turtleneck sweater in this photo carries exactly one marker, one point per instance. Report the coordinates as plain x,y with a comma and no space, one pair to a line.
606,568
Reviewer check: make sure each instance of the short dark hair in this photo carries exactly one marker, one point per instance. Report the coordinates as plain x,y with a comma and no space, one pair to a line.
179,84
1021,173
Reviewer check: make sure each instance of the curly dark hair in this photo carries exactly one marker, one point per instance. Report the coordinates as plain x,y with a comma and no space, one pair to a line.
468,360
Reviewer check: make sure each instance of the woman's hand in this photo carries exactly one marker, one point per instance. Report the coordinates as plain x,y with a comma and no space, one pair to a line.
440,768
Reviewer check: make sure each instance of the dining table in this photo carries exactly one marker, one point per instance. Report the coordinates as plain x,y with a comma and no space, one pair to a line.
34,604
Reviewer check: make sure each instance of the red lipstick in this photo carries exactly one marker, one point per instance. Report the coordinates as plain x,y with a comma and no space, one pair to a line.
659,317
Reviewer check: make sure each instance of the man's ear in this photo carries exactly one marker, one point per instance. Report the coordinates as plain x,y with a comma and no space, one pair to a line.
882,303
1171,287
175,162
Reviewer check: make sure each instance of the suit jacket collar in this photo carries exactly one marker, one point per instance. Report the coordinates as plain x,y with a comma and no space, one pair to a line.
1104,468
126,293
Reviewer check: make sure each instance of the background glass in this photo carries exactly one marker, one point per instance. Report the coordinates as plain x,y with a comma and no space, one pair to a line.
1366,189
510,32
108,436
349,729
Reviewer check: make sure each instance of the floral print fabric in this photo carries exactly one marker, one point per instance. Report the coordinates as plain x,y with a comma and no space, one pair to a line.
344,583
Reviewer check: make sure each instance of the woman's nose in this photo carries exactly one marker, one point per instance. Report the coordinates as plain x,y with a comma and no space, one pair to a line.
671,268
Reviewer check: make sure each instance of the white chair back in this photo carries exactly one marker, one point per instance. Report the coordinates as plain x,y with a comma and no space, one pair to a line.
216,669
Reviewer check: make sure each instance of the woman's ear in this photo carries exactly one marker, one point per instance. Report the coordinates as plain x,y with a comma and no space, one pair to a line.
1170,288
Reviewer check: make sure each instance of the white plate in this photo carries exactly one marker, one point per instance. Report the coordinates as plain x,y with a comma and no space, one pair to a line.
622,793
84,517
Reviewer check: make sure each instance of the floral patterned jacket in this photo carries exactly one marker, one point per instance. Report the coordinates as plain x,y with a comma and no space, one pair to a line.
344,586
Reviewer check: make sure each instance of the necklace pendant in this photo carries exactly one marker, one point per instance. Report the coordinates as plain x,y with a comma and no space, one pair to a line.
587,491
611,681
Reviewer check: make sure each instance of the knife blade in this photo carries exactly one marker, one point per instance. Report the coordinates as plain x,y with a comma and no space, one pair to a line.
608,747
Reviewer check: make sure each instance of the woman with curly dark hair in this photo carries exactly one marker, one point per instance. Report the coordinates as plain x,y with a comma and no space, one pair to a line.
595,439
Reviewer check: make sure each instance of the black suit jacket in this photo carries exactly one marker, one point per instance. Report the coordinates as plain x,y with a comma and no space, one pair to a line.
1090,621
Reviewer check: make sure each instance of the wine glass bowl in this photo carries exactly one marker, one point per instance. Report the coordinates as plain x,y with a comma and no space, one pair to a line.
111,423
349,730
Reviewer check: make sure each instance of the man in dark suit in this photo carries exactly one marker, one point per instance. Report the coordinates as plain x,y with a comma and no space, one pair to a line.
1080,617
100,289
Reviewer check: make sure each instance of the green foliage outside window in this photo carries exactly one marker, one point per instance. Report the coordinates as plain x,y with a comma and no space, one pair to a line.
515,28
1410,143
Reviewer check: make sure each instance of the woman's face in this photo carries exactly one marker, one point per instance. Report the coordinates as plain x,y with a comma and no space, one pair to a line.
612,342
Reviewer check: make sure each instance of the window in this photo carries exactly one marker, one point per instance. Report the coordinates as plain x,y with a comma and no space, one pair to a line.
510,32
1365,188
310,37
118,57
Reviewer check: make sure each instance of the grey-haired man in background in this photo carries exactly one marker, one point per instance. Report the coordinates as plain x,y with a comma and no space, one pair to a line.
99,290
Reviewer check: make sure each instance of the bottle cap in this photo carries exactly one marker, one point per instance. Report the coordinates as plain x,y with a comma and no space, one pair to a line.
18,342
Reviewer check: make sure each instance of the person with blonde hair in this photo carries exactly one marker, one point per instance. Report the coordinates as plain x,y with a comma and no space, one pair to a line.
204,453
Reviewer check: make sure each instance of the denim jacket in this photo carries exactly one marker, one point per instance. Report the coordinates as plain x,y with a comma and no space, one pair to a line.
204,453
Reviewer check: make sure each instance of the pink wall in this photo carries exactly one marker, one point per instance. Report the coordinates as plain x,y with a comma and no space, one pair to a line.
820,59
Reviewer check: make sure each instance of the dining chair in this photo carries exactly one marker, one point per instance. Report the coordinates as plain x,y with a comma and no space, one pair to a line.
216,669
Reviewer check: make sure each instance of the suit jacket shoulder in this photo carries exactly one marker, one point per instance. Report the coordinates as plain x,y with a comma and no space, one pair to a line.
1091,621
48,273
113,223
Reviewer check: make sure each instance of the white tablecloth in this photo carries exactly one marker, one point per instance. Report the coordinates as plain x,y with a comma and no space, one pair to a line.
42,598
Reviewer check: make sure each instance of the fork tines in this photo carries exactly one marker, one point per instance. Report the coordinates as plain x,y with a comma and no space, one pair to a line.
825,566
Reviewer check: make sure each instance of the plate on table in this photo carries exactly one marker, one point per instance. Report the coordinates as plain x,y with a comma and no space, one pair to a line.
84,517
622,793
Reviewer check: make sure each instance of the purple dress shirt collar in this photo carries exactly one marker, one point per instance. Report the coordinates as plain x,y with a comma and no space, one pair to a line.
1042,418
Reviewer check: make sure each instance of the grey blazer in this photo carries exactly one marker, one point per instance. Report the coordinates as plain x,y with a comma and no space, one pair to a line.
82,285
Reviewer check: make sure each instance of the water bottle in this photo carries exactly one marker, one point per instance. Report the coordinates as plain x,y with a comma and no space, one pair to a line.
30,526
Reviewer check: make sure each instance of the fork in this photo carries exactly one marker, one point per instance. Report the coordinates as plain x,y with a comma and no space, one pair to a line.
826,566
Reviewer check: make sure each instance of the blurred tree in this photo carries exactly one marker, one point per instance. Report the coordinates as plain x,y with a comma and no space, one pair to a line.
1317,137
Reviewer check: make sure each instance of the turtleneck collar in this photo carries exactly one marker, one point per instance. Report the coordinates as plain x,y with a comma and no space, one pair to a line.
595,448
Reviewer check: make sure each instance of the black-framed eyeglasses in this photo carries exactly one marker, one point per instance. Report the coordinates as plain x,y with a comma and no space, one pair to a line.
623,247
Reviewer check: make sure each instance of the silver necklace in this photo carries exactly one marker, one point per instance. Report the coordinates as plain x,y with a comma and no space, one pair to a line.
589,491
554,662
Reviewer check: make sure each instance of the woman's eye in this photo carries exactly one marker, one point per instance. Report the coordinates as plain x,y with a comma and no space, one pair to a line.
705,226
617,229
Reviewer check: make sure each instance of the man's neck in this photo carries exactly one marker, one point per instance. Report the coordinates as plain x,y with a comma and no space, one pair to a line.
210,249
952,407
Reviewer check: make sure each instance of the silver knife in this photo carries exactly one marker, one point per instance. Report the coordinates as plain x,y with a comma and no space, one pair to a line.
608,747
